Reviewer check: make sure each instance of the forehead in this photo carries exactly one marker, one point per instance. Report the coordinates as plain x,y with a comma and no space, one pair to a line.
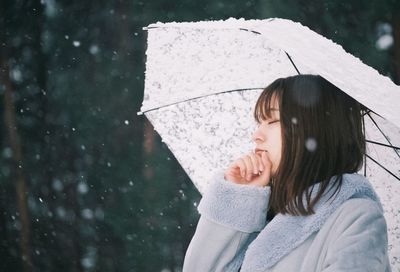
268,103
267,107
273,112
271,103
274,102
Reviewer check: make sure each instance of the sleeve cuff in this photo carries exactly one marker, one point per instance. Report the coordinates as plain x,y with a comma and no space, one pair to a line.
238,206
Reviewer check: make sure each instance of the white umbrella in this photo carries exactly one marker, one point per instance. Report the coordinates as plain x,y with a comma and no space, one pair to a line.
203,79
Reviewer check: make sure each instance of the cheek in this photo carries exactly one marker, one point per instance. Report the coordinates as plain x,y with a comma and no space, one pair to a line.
277,139
277,147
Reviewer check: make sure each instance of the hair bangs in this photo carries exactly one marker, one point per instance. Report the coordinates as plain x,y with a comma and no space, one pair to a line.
264,106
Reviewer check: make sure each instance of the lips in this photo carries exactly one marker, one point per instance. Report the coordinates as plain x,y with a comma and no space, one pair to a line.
259,151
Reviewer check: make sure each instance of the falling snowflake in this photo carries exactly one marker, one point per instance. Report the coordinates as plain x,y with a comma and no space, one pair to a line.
311,144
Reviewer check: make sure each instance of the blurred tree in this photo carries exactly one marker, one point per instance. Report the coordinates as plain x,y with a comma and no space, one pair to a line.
9,56
18,165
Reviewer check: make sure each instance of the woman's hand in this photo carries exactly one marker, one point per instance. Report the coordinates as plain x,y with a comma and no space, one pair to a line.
251,169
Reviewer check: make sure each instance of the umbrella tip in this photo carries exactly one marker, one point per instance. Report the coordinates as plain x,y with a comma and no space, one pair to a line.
139,113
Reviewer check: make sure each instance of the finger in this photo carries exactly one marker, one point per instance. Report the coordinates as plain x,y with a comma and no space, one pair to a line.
255,163
249,167
242,167
265,175
261,165
233,170
237,165
233,176
265,159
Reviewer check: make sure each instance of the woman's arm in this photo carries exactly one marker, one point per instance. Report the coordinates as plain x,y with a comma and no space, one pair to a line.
215,247
231,217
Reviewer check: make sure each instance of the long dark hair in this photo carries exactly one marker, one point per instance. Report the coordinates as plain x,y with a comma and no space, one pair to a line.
322,137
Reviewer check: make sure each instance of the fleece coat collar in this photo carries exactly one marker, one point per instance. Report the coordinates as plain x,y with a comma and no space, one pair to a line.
286,232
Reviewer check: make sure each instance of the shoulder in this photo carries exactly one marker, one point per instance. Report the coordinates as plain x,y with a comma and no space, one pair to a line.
359,206
359,212
360,203
358,221
356,237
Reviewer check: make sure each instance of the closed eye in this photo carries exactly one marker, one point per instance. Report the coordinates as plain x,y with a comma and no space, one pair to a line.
269,123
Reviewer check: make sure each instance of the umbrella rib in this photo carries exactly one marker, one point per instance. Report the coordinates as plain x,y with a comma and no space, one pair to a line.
387,139
245,29
369,157
368,111
365,113
365,166
382,144
365,153
292,63
194,98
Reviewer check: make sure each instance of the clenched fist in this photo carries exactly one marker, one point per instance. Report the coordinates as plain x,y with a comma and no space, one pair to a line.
251,169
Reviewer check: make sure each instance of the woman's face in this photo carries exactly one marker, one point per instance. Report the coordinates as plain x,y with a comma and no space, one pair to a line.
268,137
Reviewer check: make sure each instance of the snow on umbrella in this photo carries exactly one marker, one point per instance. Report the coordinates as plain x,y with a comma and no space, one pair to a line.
203,80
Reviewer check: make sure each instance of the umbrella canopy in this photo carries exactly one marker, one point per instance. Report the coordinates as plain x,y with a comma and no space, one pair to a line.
203,80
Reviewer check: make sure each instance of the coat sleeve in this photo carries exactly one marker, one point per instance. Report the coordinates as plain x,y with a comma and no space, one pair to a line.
231,217
361,242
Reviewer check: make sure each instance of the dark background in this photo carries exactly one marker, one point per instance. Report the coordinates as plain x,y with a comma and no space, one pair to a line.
85,183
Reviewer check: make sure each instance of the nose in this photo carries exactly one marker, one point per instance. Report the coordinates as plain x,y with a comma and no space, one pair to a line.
257,137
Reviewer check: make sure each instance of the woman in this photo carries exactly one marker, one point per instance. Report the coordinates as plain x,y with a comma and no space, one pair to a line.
322,216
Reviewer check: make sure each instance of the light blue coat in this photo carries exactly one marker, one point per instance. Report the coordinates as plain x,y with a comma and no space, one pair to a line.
346,233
